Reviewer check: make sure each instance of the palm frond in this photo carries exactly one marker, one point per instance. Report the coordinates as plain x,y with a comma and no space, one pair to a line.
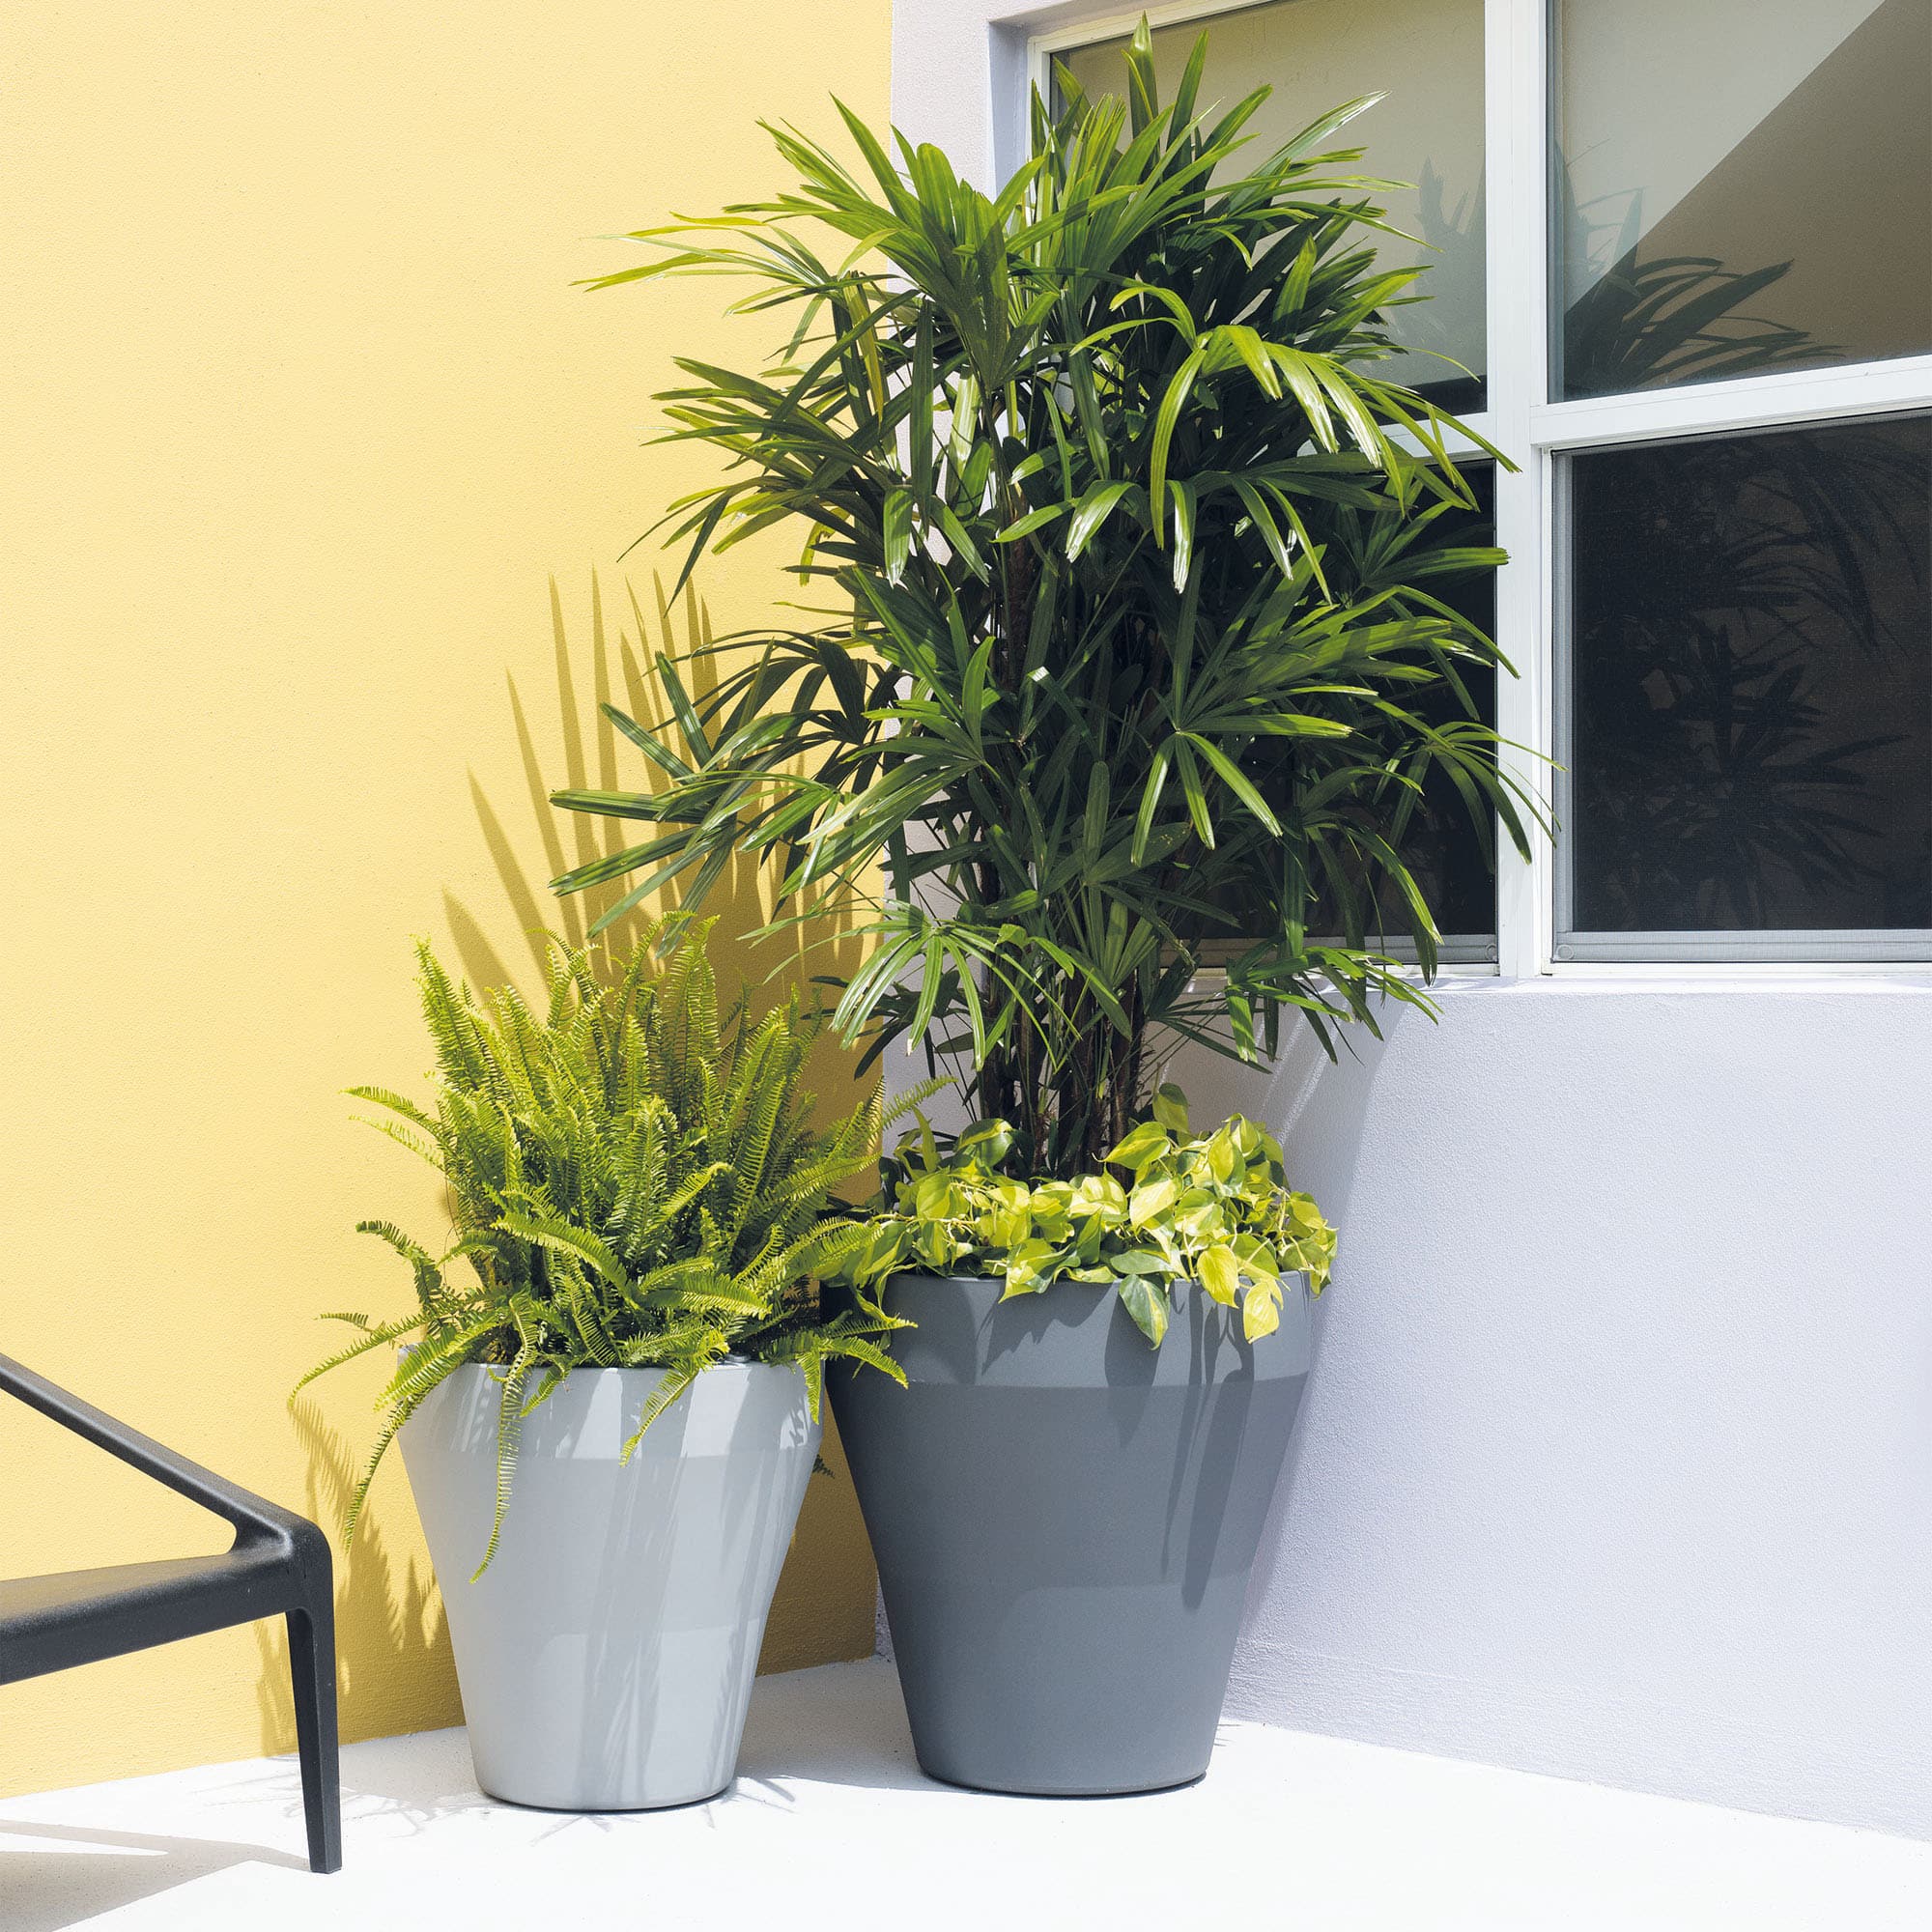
1154,651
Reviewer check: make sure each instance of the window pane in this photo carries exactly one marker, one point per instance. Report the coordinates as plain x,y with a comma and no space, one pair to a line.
1444,848
1750,686
1426,57
1442,845
1742,185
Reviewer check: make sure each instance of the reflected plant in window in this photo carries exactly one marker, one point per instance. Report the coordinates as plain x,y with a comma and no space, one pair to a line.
1649,321
1433,323
1753,681
1743,159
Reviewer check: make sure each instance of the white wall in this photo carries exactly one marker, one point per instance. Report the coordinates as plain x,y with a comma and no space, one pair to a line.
1617,1459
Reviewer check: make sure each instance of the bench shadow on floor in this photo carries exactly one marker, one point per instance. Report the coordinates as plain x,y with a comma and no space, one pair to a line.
49,1889
838,1725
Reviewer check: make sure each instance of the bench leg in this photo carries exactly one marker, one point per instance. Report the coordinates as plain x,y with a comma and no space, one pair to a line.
312,1673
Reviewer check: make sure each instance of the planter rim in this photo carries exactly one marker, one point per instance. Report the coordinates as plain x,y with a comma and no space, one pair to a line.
965,1329
1098,1287
739,1362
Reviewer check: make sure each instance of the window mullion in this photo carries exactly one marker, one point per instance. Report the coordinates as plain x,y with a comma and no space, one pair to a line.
1761,402
1516,95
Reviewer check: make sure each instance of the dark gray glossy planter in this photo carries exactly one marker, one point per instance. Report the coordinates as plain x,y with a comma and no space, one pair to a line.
1065,1521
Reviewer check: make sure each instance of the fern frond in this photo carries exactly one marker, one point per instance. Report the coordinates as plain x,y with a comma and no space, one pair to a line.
675,1382
510,1438
912,1101
556,1235
371,1338
425,1371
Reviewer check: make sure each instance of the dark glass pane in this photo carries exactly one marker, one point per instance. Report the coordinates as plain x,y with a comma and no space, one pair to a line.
1742,185
1425,57
1751,670
1444,848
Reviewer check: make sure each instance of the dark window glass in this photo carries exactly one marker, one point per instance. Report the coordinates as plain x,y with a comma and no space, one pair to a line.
1750,671
1742,185
1448,855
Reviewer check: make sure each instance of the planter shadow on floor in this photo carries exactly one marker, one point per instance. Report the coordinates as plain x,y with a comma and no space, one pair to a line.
835,1726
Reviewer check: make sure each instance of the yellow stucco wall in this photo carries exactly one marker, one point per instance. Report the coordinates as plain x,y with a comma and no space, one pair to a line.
303,412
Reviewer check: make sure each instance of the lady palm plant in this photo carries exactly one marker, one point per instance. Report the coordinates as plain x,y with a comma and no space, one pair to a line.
1141,659
635,1181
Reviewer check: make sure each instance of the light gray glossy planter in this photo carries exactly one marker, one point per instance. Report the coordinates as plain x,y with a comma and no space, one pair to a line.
1065,1521
605,1656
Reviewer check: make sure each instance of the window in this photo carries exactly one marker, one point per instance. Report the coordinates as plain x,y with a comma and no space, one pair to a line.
1749,715
1742,185
1682,257
1425,59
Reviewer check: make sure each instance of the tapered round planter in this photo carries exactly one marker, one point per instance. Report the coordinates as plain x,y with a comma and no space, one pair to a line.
605,1656
1065,1520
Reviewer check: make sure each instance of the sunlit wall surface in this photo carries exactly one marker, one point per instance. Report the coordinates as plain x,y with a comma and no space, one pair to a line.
303,409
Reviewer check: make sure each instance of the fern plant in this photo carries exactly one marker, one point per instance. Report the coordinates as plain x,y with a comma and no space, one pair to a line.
636,1181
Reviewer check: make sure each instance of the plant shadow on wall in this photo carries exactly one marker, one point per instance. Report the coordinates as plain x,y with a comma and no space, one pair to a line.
736,901
628,661
614,909
390,1630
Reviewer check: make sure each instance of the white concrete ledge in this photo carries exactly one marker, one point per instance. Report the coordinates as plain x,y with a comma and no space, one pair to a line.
831,1825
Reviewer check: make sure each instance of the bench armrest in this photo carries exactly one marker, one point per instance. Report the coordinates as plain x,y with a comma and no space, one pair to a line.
250,1514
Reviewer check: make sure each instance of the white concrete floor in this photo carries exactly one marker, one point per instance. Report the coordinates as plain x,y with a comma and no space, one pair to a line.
831,1825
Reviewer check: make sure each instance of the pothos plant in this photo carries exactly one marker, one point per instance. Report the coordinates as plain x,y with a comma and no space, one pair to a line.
1139,659
636,1181
1167,1207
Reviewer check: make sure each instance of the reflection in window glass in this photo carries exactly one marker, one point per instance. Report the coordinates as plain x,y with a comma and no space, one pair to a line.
1751,678
1744,185
1426,57
1448,854
1451,863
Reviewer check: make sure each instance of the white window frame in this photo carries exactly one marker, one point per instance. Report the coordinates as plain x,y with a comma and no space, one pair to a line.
1537,434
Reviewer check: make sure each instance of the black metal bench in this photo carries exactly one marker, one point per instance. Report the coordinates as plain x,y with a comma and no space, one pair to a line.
278,1566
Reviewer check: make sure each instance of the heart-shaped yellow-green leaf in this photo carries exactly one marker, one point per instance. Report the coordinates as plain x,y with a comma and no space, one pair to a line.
1146,1301
1221,1273
1260,1309
1141,1146
1152,1200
